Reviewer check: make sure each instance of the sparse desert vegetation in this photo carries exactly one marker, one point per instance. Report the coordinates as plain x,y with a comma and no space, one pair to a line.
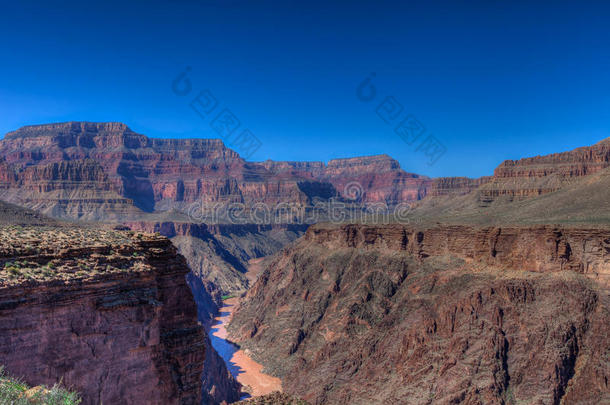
275,398
15,392
42,253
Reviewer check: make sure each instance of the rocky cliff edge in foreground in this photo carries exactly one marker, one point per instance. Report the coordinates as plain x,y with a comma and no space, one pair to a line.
108,313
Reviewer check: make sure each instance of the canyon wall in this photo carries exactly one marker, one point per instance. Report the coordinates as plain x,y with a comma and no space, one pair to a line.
41,164
543,248
218,256
413,315
109,315
106,171
219,253
532,176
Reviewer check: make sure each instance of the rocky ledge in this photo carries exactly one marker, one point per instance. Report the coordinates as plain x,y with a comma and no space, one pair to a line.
108,313
543,248
393,314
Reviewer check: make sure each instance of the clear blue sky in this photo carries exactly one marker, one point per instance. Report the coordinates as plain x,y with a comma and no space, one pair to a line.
492,80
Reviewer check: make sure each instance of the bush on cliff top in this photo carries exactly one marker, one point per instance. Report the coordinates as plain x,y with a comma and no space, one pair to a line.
15,392
275,398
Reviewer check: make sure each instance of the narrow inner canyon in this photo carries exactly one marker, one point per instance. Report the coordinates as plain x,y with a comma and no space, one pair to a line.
486,291
244,369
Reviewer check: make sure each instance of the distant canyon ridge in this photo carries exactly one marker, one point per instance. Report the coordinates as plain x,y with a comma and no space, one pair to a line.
476,267
105,171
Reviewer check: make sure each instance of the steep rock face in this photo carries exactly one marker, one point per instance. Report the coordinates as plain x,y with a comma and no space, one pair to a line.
219,386
371,315
578,162
106,171
77,189
544,174
370,179
451,186
135,167
152,173
380,177
376,179
117,327
219,253
541,248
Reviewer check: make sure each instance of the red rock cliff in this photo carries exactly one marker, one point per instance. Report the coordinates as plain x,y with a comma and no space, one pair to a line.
106,171
110,315
97,170
542,248
544,174
405,315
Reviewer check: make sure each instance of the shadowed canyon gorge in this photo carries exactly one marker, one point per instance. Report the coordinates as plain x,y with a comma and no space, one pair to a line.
113,274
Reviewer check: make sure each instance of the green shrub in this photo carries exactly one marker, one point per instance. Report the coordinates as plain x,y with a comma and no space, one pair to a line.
13,391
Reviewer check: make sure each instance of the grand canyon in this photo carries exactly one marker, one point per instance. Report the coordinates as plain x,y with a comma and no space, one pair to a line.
232,202
118,284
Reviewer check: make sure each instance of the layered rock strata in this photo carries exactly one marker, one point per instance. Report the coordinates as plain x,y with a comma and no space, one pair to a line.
533,176
107,313
406,315
219,253
542,248
106,171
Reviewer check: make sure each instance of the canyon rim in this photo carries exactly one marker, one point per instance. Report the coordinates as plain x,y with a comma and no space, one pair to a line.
221,202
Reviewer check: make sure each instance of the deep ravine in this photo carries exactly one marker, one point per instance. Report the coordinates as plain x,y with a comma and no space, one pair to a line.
247,371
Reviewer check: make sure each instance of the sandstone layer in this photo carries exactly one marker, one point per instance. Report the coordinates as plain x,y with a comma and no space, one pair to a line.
107,313
106,171
532,176
414,315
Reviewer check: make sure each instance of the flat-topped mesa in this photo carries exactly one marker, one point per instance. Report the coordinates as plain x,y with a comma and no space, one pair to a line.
107,135
381,162
277,166
374,179
135,172
109,313
369,163
72,127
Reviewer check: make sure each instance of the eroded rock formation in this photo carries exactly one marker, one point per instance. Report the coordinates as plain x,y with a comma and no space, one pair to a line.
406,315
106,171
544,174
108,313
219,253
